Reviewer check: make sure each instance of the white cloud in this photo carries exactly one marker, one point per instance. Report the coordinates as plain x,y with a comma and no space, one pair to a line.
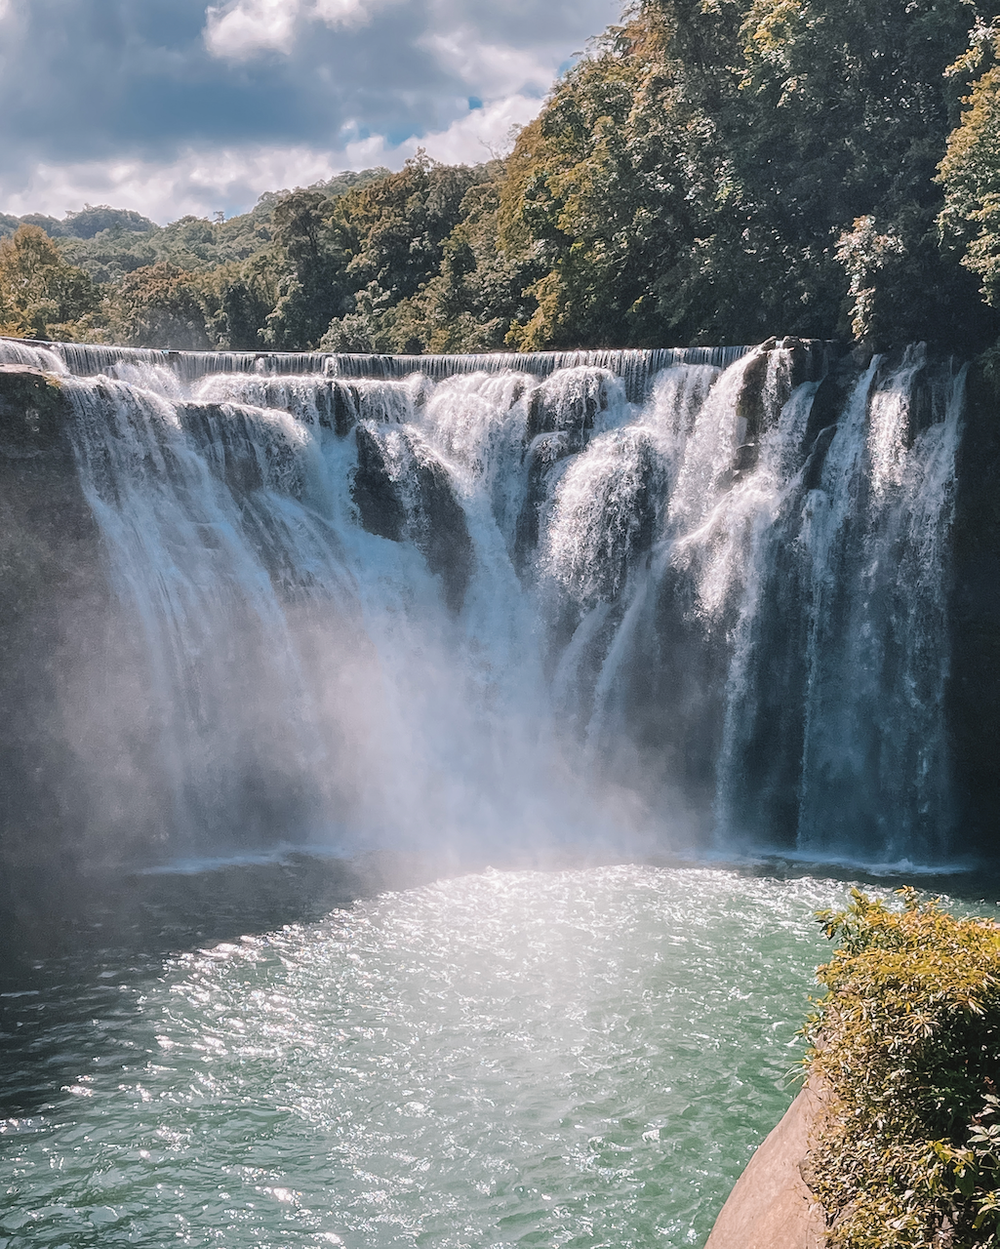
239,30
201,182
243,28
491,69
195,120
478,135
344,12
481,133
197,182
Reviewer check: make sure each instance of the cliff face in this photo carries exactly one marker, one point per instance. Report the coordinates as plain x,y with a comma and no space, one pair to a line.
771,1206
85,777
973,701
54,606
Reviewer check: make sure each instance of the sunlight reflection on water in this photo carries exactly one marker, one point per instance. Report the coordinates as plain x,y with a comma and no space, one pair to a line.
580,1058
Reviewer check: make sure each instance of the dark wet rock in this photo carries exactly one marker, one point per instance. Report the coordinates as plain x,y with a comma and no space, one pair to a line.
542,455
341,411
562,413
812,358
972,704
757,408
244,449
751,409
33,414
223,438
831,396
438,527
427,514
812,473
54,607
375,494
926,393
629,502
568,406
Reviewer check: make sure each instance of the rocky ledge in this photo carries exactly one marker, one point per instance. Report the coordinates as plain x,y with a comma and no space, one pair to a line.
771,1206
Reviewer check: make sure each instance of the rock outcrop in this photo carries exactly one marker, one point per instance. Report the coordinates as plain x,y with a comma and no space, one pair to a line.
53,601
424,510
973,700
771,1206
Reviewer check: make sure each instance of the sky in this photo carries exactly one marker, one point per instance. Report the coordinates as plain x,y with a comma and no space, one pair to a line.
172,107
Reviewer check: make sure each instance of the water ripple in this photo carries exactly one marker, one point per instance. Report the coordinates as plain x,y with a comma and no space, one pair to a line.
582,1059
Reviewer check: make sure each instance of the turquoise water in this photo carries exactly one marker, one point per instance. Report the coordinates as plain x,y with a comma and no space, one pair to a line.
580,1058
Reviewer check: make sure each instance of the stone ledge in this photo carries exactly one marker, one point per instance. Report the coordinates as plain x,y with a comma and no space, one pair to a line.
771,1206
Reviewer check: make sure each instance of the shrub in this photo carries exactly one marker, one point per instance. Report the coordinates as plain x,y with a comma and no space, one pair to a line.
907,1039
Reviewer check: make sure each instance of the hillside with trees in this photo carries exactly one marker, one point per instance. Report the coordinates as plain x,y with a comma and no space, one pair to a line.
712,171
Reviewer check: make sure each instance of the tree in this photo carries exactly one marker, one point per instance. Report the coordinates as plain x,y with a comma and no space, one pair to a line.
312,288
237,299
92,219
394,230
970,170
699,178
477,293
160,306
397,233
852,109
597,196
41,294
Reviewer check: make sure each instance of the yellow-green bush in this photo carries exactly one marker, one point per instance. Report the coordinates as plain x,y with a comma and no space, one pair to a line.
907,1039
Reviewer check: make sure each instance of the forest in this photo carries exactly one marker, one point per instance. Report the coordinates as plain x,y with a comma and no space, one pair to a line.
711,171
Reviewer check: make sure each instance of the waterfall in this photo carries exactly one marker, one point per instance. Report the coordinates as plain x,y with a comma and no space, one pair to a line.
639,600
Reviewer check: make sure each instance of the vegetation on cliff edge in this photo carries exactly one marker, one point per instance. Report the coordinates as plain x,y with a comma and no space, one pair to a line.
907,1039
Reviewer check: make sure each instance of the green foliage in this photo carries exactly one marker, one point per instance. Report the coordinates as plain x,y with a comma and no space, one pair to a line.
91,220
851,109
237,300
970,171
478,291
41,295
160,306
603,194
707,151
712,171
396,235
312,287
907,1039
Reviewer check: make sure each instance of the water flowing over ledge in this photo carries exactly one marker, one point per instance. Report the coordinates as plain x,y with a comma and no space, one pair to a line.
684,599
635,367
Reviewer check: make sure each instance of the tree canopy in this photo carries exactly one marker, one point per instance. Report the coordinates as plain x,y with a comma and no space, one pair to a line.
41,294
712,171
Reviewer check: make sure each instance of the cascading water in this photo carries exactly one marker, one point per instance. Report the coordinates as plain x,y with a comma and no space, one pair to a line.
488,610
643,600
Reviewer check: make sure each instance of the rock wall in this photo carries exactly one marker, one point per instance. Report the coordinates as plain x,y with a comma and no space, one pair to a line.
54,602
66,645
973,705
771,1207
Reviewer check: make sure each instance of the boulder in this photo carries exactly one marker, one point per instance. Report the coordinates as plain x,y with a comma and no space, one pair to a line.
375,494
771,1206
427,513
